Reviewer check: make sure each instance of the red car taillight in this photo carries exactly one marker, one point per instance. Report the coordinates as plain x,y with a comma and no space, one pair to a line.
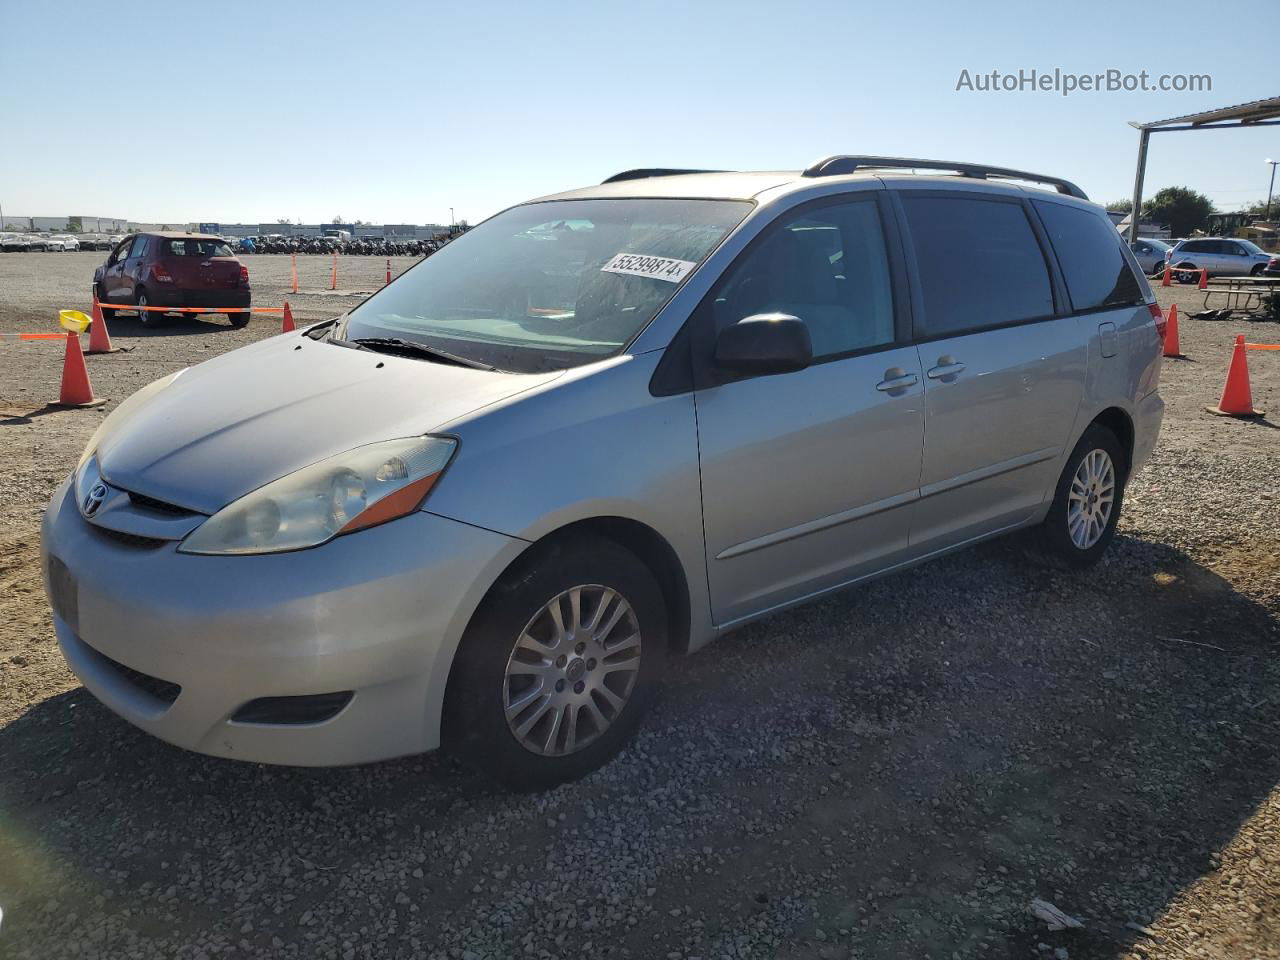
1158,315
244,275
161,273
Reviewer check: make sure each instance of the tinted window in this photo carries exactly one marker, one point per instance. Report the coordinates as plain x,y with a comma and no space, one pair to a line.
122,251
197,248
828,267
979,264
140,247
1194,246
1090,256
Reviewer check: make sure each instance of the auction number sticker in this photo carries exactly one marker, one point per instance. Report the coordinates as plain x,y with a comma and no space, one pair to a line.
643,265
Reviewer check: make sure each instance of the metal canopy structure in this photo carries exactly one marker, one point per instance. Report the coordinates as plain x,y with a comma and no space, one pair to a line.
1258,113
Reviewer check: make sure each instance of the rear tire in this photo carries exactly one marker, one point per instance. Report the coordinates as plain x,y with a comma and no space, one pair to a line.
1186,273
1086,503
521,660
239,320
148,318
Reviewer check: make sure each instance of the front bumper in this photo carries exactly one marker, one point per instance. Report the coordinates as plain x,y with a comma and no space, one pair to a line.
379,612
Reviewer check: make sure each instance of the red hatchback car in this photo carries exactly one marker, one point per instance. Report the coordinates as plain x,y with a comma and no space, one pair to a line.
173,270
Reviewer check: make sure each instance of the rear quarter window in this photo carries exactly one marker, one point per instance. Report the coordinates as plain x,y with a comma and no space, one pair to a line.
979,264
1092,259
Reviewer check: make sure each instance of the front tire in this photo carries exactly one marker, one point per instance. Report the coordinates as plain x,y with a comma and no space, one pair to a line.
1086,503
108,313
558,665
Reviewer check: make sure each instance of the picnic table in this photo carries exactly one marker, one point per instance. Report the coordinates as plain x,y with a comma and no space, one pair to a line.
1240,293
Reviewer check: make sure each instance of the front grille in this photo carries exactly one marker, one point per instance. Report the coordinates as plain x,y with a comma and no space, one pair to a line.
162,690
128,539
159,506
315,708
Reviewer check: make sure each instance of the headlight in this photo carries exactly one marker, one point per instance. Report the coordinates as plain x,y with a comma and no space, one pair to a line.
356,489
121,413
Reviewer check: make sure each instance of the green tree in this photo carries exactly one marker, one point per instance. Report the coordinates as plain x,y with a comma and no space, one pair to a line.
1259,207
1120,206
1182,208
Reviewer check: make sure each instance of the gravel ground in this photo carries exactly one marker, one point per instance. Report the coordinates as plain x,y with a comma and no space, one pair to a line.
893,772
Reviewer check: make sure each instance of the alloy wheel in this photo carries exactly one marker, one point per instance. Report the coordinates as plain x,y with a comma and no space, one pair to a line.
1091,499
572,670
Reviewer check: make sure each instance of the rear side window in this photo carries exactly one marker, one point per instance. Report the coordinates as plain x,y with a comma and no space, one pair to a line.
140,247
189,247
1090,255
979,264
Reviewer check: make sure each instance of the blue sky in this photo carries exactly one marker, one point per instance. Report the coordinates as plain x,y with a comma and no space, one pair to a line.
396,111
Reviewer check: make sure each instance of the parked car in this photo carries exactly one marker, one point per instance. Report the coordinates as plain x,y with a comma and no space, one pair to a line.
54,244
1221,257
1151,255
173,270
13,243
67,243
487,506
1272,268
35,242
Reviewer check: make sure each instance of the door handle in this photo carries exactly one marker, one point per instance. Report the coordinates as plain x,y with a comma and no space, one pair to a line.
946,368
896,379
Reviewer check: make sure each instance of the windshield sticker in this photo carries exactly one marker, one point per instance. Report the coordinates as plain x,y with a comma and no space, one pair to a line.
643,265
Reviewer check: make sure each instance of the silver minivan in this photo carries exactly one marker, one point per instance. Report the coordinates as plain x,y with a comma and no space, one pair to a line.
1219,256
490,505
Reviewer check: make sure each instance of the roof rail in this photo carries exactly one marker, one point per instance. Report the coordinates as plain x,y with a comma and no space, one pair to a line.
840,165
645,173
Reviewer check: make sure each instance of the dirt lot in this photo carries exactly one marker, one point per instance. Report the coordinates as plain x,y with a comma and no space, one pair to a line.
894,772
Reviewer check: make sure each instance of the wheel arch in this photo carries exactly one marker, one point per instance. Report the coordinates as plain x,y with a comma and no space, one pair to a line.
1121,424
653,551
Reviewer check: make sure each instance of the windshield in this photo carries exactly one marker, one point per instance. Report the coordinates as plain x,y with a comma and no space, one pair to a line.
552,285
1250,246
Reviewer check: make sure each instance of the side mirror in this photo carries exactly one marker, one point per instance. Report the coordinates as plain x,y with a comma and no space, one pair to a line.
765,343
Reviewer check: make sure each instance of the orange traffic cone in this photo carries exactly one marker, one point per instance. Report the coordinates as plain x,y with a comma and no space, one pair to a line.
75,391
333,281
1171,346
388,269
286,325
1204,278
1237,399
99,336
1168,276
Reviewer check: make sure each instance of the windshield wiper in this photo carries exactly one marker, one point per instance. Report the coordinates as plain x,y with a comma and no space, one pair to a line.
397,345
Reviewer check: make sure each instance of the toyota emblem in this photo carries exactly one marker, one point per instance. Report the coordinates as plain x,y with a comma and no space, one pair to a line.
93,499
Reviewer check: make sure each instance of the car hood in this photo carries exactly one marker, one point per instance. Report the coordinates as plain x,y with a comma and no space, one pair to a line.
235,423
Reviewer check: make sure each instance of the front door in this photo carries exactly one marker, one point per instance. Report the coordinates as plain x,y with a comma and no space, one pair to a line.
113,276
809,478
131,276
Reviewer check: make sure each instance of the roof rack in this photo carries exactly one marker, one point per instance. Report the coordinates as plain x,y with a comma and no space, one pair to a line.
645,173
840,165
